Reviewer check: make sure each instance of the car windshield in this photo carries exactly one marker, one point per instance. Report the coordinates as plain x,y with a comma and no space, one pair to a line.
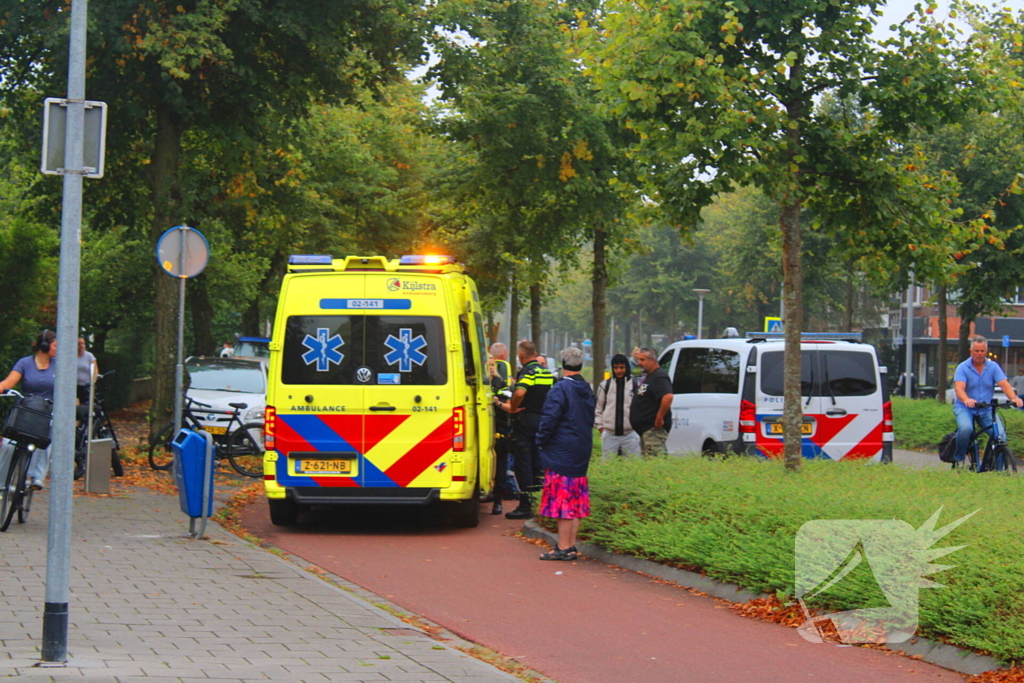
235,377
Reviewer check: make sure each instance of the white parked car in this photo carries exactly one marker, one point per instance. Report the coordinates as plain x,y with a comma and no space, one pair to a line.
219,382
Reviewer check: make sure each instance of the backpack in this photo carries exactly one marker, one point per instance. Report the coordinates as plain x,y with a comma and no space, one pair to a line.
947,448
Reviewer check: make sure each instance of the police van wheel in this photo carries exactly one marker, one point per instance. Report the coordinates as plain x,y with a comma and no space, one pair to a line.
710,450
283,512
466,514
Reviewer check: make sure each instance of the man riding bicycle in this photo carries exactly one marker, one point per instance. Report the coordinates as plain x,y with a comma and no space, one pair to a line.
974,382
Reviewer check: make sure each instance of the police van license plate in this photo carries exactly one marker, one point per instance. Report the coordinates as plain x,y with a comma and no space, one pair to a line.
776,428
323,466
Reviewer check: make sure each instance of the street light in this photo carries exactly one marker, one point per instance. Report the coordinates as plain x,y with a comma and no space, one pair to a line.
700,311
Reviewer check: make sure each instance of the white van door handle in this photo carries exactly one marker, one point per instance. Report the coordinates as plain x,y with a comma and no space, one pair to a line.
838,412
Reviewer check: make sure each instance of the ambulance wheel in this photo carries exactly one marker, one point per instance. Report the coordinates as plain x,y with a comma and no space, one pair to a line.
465,514
283,512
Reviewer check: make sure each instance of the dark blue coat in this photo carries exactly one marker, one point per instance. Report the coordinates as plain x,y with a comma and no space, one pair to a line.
565,437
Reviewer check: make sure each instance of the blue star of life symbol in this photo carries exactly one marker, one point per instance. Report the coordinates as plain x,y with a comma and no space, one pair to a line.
405,350
323,350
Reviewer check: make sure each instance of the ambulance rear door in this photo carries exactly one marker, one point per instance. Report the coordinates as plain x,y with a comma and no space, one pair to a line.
407,376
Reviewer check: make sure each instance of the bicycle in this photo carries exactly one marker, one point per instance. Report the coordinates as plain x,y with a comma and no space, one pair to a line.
242,446
102,428
28,428
997,456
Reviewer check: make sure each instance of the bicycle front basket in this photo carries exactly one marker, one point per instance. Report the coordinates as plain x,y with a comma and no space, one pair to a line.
29,421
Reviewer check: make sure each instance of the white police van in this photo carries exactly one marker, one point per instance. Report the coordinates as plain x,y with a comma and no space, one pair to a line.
728,397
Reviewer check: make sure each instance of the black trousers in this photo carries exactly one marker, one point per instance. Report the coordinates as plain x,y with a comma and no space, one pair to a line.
529,472
501,444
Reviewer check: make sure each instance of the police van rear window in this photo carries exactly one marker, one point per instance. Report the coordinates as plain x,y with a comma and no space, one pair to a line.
823,373
364,350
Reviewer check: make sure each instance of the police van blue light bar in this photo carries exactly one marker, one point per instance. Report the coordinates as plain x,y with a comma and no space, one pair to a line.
425,260
821,336
310,260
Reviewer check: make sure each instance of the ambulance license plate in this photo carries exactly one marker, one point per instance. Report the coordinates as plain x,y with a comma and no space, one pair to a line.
324,466
776,428
216,430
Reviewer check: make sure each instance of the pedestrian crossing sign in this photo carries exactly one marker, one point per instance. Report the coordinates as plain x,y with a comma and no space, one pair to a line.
773,325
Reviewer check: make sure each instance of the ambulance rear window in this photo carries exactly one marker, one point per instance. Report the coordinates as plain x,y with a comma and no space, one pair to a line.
364,350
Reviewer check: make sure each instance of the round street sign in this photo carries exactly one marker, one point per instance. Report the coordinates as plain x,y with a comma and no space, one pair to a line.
182,252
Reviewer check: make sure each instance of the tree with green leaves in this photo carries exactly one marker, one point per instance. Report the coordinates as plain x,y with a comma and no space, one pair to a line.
546,159
722,94
231,68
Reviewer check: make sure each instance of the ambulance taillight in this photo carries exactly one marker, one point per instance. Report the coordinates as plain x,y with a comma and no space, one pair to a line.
748,418
269,428
887,416
459,430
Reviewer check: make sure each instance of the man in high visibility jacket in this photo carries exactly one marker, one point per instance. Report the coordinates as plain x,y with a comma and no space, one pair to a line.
532,385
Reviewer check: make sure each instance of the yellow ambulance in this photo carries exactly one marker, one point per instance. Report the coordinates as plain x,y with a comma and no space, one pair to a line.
378,389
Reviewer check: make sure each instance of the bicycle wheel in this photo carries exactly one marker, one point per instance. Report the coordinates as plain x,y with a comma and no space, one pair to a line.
161,457
244,449
14,487
1003,460
105,430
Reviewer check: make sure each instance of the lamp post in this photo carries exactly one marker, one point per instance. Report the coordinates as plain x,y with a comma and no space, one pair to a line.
700,311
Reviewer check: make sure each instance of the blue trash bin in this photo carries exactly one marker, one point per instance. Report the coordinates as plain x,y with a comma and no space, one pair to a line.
190,469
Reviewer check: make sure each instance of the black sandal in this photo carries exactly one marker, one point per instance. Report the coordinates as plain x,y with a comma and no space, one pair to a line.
558,554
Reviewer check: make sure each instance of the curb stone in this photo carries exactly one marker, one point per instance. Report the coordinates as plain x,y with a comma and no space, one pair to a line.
947,656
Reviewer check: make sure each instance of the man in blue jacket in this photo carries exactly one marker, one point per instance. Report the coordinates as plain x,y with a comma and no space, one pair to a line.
565,441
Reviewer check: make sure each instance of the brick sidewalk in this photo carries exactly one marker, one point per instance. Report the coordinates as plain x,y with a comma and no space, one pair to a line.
148,603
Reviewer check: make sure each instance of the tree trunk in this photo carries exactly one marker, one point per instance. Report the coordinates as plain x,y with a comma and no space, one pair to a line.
848,313
627,335
251,323
792,415
941,364
536,335
963,348
600,306
165,194
202,318
513,326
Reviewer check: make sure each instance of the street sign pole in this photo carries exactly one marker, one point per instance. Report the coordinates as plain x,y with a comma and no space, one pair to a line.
58,557
182,252
910,337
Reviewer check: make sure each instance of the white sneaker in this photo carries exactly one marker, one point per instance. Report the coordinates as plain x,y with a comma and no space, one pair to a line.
34,484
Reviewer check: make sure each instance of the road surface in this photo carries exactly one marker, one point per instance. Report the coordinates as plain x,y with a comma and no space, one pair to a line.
581,622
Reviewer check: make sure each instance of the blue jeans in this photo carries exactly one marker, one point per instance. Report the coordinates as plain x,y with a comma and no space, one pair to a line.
965,418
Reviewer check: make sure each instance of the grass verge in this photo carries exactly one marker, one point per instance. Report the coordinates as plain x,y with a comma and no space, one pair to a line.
737,521
920,424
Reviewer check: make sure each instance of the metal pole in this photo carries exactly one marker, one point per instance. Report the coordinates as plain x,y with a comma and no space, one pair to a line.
611,337
700,317
58,556
907,385
179,368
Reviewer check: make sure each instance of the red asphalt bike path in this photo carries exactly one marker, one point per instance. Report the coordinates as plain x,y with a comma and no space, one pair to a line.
576,622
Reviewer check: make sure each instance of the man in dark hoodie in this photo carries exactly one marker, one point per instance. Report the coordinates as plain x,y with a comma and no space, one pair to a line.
565,441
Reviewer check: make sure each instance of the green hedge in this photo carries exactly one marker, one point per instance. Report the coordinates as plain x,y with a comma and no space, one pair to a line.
737,521
919,424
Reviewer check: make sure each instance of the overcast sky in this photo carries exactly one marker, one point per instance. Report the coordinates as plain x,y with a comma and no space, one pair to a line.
897,10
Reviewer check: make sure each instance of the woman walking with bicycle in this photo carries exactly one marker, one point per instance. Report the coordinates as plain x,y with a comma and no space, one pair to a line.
36,374
974,382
